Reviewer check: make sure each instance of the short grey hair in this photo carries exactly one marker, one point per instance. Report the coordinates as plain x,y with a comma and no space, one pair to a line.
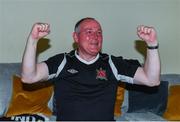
77,25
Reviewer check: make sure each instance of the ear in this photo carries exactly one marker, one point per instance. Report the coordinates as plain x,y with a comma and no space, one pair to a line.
75,37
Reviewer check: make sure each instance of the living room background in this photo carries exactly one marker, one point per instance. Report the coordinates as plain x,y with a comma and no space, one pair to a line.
119,19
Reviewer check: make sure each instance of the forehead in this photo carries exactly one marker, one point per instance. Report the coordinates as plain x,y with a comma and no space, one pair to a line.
90,24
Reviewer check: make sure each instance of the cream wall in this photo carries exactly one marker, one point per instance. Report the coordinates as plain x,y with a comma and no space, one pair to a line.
119,19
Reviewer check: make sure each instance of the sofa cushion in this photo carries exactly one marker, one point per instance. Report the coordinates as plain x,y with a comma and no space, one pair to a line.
119,99
6,72
30,98
173,107
148,99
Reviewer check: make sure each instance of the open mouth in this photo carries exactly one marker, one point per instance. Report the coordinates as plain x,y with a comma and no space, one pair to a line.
94,43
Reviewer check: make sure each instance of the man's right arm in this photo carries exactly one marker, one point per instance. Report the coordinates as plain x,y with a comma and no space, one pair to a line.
31,70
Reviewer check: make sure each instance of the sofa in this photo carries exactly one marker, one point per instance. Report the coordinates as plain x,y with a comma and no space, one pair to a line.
133,108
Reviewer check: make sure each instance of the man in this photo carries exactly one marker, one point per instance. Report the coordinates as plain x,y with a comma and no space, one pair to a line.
85,80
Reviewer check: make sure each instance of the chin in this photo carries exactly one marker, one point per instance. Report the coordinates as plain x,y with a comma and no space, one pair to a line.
95,52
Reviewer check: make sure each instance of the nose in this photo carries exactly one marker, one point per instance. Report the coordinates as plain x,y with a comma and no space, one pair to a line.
95,35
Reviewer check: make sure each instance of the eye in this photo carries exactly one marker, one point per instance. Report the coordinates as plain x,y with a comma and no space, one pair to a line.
89,32
99,32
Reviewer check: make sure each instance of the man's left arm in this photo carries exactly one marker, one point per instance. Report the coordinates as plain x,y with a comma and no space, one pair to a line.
149,74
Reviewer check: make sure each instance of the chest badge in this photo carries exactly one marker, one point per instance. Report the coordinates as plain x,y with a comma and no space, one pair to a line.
72,71
101,74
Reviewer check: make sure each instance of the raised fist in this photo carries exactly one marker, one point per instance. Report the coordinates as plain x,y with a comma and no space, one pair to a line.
40,30
148,34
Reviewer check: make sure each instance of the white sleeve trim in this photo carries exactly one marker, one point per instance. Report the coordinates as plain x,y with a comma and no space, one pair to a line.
119,77
60,68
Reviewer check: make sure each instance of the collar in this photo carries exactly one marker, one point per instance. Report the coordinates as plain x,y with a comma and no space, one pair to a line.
84,61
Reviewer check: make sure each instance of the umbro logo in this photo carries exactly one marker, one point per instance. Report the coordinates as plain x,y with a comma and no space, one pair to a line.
72,71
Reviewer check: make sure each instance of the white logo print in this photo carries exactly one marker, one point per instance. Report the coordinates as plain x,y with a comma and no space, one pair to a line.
72,71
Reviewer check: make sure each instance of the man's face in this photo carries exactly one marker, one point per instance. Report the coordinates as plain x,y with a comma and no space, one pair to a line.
89,38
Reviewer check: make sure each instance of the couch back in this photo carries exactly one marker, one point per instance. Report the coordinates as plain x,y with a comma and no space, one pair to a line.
173,79
7,70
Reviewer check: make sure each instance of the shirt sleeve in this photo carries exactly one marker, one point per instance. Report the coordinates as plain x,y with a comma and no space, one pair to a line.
53,64
124,69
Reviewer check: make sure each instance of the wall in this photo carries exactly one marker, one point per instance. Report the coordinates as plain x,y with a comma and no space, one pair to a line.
119,19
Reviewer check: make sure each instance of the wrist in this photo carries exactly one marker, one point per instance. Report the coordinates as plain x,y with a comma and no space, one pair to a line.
153,47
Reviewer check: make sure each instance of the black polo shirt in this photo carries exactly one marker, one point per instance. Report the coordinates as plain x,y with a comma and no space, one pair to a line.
87,91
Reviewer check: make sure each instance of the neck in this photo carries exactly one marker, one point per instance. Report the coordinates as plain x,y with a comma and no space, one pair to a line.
86,57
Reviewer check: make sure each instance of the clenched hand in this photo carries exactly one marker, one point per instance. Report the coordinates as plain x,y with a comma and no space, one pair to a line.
40,30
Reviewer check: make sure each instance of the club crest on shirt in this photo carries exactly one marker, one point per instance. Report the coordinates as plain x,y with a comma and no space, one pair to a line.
101,74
